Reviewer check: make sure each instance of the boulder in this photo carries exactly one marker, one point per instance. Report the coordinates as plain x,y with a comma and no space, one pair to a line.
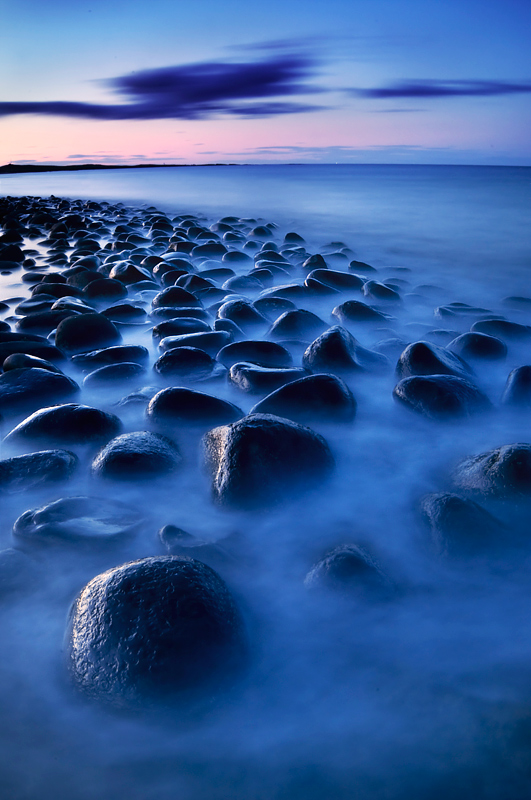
336,350
34,470
504,472
138,455
440,396
425,358
478,345
311,399
27,389
459,526
86,332
265,354
180,406
67,424
517,390
348,568
259,380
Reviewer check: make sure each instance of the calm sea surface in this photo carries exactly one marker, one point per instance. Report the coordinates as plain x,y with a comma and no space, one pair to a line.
422,698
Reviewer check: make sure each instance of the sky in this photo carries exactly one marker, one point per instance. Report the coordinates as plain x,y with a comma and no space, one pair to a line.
287,81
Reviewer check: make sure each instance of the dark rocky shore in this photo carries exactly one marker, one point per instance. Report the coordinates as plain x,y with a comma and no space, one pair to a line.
147,347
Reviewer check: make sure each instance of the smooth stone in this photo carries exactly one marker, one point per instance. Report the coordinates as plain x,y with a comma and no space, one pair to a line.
125,312
67,424
175,296
311,399
211,342
502,328
263,353
128,273
262,460
243,313
44,322
104,290
315,261
113,374
504,472
342,281
167,312
174,624
31,471
179,326
56,290
460,527
246,284
257,380
86,332
318,289
178,405
380,292
348,568
478,345
360,266
297,323
137,455
73,305
185,362
25,361
356,311
272,307
111,355
440,396
27,389
517,390
336,350
77,520
425,358
236,333
82,277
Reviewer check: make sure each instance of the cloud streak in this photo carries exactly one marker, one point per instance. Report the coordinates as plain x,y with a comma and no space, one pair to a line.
434,89
195,91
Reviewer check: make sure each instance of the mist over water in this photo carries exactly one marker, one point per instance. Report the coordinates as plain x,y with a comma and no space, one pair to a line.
425,693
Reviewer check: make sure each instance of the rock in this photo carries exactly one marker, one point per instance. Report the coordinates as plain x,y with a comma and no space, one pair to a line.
460,527
262,459
112,355
77,520
341,281
210,341
31,471
175,296
425,358
179,326
315,262
105,290
336,350
265,354
125,313
258,380
440,396
86,332
128,273
43,322
25,389
504,472
38,349
517,390
356,311
155,629
272,307
185,362
243,313
67,424
297,323
180,406
478,345
348,567
138,455
502,328
312,399
380,292
114,374
24,361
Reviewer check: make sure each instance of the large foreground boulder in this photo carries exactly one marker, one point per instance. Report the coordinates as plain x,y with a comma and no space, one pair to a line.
154,629
262,459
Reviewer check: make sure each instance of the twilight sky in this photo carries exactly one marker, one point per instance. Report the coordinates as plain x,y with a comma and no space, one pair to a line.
167,81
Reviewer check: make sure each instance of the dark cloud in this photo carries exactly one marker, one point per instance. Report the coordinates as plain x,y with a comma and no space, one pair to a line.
195,91
457,88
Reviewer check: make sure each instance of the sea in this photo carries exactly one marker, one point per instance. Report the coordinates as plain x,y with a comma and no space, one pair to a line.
423,696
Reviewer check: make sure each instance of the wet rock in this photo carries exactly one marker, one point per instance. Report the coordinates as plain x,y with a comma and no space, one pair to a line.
425,358
154,629
185,362
77,520
502,328
265,354
341,281
138,455
259,380
111,355
504,472
67,424
44,322
361,266
25,361
478,345
517,390
86,332
38,349
243,313
297,323
125,312
168,312
440,396
236,333
128,273
210,341
175,296
25,389
262,459
311,399
460,527
336,350
104,290
380,292
181,406
31,471
356,311
114,374
272,307
315,262
348,568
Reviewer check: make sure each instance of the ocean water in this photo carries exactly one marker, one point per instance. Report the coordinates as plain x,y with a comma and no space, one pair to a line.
422,696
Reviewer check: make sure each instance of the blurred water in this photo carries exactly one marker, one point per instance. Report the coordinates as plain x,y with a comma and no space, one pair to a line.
423,697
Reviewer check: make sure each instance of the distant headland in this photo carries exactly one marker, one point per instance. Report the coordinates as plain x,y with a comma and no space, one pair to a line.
12,169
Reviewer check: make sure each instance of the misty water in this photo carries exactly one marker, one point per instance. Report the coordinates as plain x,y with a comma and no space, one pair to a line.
425,693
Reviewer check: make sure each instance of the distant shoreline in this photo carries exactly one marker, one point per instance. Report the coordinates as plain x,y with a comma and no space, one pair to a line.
14,169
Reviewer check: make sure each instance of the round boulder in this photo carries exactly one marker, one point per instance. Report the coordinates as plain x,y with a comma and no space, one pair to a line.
177,405
440,396
137,455
504,472
85,332
69,423
311,399
36,469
